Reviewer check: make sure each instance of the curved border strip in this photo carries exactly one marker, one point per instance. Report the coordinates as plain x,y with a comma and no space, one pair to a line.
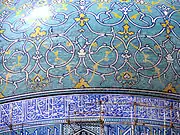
141,92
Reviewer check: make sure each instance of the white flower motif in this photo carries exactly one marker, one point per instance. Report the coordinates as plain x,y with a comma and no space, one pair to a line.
82,53
169,58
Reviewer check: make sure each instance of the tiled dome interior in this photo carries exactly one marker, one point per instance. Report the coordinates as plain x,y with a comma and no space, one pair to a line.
52,49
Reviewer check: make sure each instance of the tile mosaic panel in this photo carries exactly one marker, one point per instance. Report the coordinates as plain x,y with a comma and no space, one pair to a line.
84,112
57,44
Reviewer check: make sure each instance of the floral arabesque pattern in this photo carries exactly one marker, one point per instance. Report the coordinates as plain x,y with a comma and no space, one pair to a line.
54,44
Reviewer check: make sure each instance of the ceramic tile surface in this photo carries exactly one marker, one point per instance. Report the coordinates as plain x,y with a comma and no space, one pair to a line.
61,46
58,44
50,115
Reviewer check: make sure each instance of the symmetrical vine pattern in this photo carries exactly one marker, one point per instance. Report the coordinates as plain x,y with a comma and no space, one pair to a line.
152,115
56,44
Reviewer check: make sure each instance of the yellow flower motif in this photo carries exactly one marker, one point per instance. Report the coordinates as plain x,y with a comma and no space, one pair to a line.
37,78
168,27
157,47
94,44
126,31
169,89
37,33
1,31
1,95
68,44
127,75
116,15
134,16
82,84
82,19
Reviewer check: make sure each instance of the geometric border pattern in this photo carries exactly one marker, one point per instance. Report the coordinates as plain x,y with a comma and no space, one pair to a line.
114,109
